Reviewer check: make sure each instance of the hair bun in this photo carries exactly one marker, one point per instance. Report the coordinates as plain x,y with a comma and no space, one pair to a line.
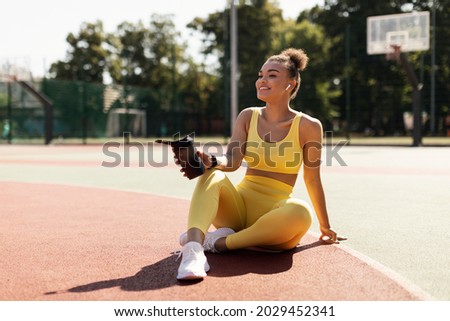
298,57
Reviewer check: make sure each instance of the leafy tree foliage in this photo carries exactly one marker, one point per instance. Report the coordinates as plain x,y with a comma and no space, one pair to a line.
86,57
317,91
262,32
152,56
379,90
256,23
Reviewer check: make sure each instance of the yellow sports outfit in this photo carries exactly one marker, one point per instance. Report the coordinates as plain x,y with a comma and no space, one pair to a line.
284,156
261,210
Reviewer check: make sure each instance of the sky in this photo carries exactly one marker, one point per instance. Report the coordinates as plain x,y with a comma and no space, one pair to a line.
33,33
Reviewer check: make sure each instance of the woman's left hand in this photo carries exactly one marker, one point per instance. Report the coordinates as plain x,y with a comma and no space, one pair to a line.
330,236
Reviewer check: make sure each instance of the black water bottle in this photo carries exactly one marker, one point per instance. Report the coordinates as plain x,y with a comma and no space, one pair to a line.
185,152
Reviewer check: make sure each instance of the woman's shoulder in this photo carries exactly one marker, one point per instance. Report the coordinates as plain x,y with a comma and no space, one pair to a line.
310,129
310,122
250,110
243,121
247,113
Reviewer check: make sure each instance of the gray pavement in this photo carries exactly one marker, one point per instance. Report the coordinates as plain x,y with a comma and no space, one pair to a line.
392,202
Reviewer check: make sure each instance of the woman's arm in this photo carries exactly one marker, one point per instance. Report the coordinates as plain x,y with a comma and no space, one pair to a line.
311,136
232,160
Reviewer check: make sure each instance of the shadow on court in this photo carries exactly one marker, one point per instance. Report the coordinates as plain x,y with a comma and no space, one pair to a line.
162,274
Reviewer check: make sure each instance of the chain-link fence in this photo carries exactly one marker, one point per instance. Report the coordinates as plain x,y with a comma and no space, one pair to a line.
21,113
82,111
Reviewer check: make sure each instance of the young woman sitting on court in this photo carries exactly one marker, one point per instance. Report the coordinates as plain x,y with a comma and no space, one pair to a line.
260,211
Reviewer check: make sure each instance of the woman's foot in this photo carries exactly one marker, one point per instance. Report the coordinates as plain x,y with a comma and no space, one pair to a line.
210,238
193,263
209,244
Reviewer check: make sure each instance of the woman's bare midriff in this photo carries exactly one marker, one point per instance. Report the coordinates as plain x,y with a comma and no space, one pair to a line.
285,178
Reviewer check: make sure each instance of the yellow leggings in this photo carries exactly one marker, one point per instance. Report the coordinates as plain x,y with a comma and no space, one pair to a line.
259,209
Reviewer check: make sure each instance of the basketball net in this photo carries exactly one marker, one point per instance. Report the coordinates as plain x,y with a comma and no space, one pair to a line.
395,53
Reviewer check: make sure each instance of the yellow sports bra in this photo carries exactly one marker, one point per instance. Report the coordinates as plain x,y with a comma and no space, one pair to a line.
284,156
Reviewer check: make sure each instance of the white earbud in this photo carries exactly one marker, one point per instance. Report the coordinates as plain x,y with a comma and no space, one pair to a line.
288,86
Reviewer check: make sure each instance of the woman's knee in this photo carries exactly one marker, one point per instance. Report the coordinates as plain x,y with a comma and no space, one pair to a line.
299,212
212,175
211,178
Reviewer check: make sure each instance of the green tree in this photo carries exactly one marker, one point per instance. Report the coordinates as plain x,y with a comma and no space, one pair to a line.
86,58
442,69
379,91
317,91
257,20
262,32
145,56
198,96
256,32
3,100
149,66
150,57
368,83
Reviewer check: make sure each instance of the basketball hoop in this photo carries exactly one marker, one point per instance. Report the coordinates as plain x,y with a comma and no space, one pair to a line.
393,35
408,30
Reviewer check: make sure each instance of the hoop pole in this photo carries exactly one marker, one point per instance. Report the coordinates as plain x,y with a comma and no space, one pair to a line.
48,109
233,65
416,86
433,74
347,80
9,112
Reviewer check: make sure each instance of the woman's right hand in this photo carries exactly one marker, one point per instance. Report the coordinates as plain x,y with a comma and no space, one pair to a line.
330,236
204,157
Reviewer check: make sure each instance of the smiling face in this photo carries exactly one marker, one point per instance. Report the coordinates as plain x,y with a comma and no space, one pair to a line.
273,82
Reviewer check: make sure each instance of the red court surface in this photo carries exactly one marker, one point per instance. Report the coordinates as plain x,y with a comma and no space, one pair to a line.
62,242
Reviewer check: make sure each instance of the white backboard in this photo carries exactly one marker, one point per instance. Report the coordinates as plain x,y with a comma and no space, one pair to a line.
410,31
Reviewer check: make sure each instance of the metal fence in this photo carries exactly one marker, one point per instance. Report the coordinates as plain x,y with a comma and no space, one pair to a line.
82,110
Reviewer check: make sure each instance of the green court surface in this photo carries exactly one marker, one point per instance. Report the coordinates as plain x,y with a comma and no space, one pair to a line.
392,202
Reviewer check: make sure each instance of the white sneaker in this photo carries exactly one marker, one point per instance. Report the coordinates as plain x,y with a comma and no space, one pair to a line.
193,263
183,238
210,238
